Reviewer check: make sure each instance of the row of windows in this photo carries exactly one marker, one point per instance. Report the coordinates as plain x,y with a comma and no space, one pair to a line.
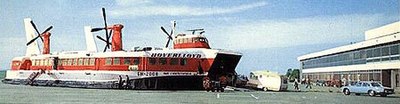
349,76
64,62
42,62
124,61
363,56
109,61
164,61
190,40
77,62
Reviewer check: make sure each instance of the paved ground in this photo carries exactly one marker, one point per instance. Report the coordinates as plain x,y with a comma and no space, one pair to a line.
32,94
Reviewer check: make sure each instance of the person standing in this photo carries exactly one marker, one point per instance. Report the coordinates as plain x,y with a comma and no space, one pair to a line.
296,85
308,83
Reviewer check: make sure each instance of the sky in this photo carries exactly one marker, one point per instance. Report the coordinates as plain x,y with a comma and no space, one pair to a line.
229,24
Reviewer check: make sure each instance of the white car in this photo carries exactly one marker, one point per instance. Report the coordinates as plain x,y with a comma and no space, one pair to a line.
367,87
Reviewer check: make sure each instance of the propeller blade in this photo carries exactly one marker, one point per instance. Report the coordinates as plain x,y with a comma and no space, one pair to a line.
48,29
162,28
202,32
34,26
172,32
96,29
32,40
166,46
108,39
174,24
105,49
37,31
173,28
102,39
105,26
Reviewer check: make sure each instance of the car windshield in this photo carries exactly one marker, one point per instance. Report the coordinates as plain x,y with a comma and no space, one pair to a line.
375,85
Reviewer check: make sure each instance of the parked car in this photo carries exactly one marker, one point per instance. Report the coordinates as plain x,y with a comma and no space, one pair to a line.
367,87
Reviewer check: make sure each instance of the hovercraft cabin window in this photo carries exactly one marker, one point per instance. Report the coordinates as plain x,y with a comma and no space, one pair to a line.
108,61
74,62
127,61
163,61
86,61
64,62
174,61
136,61
41,63
59,62
152,61
47,62
183,61
33,62
117,61
69,62
80,62
91,61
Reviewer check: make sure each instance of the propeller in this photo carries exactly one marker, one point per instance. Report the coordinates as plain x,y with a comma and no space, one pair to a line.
194,30
108,34
39,34
202,32
107,43
37,31
169,34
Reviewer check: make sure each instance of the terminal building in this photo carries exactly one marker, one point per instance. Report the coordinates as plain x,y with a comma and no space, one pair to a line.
376,58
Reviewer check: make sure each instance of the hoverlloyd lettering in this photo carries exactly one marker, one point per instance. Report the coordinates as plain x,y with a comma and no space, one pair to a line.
176,55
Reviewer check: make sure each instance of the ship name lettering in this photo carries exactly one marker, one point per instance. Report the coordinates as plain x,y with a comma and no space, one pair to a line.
176,55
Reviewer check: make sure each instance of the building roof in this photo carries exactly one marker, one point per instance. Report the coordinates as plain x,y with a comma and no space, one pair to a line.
381,35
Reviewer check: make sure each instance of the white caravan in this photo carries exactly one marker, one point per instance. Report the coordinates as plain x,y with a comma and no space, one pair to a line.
267,80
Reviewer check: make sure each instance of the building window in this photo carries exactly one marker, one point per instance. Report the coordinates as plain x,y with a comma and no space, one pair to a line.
92,60
117,61
357,55
377,52
152,61
108,61
136,61
183,61
127,61
174,61
385,51
163,61
394,50
395,58
369,53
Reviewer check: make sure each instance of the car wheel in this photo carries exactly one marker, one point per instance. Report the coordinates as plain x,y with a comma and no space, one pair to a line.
346,92
383,95
371,93
265,89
